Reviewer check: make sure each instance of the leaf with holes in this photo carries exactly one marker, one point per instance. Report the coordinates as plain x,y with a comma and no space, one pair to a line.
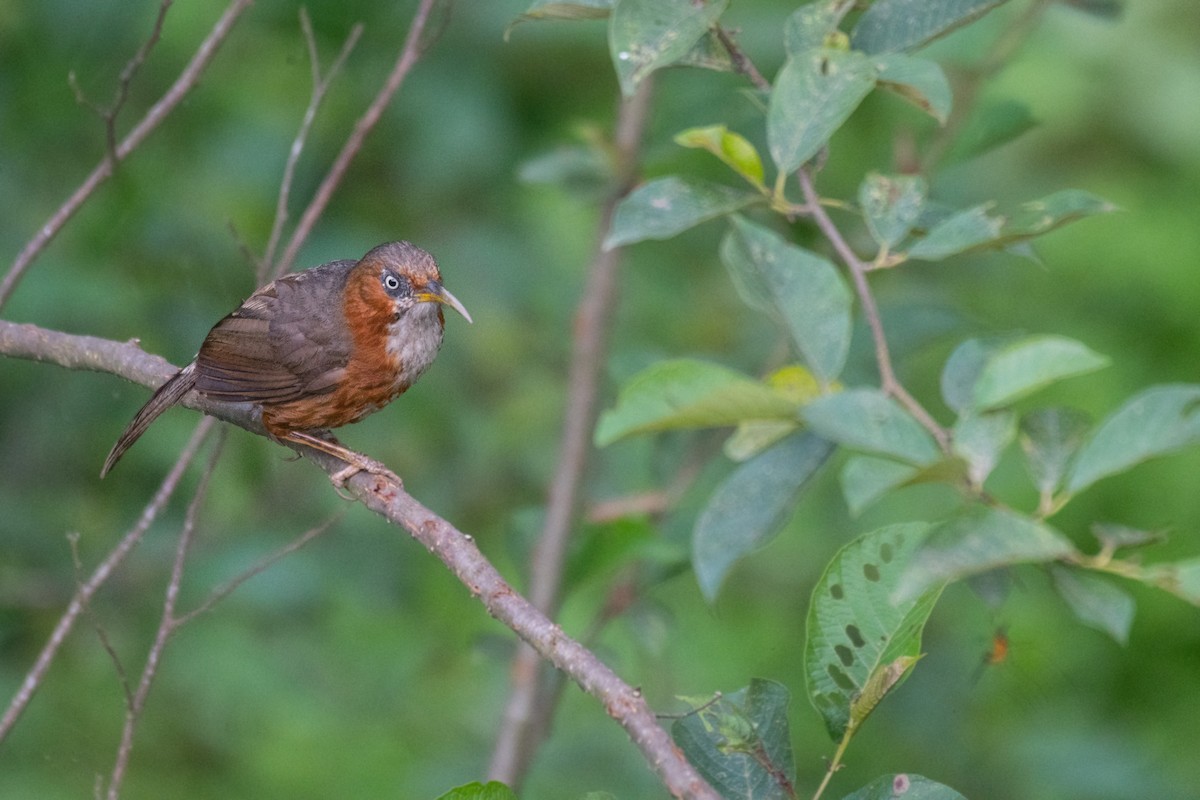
814,93
750,506
906,786
980,539
644,35
889,26
1157,421
801,290
666,207
741,744
857,635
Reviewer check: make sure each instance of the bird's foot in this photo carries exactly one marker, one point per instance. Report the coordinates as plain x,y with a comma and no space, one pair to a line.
361,463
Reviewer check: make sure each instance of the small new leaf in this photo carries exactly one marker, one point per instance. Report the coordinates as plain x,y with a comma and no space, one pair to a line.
730,147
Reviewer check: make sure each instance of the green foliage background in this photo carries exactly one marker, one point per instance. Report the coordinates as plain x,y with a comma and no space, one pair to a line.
360,667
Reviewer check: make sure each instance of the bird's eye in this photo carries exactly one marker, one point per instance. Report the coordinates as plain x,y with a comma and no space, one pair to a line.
392,283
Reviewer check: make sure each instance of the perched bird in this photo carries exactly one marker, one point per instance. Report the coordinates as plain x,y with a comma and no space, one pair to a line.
318,349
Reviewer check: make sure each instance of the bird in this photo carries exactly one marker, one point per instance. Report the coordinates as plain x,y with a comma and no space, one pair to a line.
318,349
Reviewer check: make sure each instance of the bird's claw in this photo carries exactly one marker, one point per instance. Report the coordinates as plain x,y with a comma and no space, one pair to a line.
339,478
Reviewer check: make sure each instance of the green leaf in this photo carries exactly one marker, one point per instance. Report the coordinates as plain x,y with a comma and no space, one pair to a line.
1181,578
645,35
577,168
751,505
708,53
918,80
814,93
1022,367
891,205
961,232
732,148
865,479
891,25
905,786
1096,601
993,125
666,207
752,437
801,290
741,743
1157,421
978,540
688,393
1049,437
1052,211
1122,537
810,25
962,371
858,638
980,439
492,790
869,420
1106,9
565,9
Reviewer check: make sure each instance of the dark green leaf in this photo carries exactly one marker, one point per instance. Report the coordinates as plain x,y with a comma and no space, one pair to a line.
888,26
962,371
865,479
492,790
687,393
891,205
708,53
976,541
1052,211
918,80
904,787
963,231
741,744
814,93
730,147
1020,368
644,35
993,125
869,420
810,25
858,638
1096,601
1049,438
1121,537
750,506
980,439
581,169
1160,420
801,290
1108,9
666,207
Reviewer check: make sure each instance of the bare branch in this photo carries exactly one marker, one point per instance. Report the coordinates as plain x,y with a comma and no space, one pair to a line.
409,55
455,549
187,80
521,728
166,627
319,86
742,62
103,571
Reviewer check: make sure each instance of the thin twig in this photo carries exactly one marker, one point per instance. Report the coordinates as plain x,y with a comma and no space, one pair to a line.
742,62
520,729
101,631
320,85
858,275
187,80
409,55
166,626
229,587
33,680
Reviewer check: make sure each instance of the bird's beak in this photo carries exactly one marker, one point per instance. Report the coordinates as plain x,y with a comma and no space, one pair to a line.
436,293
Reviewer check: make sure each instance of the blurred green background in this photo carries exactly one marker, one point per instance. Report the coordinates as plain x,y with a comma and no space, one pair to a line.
359,667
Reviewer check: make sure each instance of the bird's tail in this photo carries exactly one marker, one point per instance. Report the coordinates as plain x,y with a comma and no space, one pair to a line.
167,395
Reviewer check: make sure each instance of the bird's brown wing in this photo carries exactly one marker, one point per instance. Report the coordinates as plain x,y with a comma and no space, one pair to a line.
285,342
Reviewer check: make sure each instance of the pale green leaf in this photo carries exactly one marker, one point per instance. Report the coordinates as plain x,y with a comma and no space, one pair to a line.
801,290
962,371
891,205
749,507
980,439
645,35
978,540
918,80
1096,601
688,393
869,420
1022,367
1049,438
865,479
891,25
666,207
810,25
994,124
1157,421
492,790
856,633
963,231
814,93
904,786
730,147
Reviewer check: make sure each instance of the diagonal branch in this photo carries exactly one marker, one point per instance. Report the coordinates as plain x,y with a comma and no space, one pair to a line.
187,80
456,550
